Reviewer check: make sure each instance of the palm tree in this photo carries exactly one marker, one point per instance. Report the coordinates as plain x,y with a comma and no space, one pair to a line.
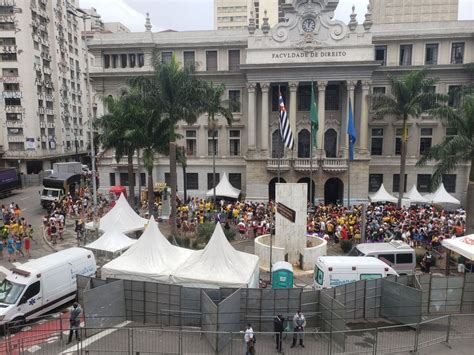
456,150
409,97
213,106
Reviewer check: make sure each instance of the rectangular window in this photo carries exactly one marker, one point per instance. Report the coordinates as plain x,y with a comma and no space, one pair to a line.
381,54
9,72
234,143
9,101
304,97
16,146
425,139
405,54
114,60
166,57
332,98
210,181
423,182
189,60
141,60
211,60
234,59
13,116
449,181
112,179
451,132
370,276
387,258
8,57
235,180
168,181
142,179
123,60
124,179
276,95
192,181
398,141
454,96
132,60
405,258
234,101
211,143
376,147
191,146
11,87
396,183
431,54
375,181
457,53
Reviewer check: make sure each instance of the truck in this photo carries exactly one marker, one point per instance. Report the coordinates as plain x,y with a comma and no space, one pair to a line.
57,186
70,168
9,180
41,285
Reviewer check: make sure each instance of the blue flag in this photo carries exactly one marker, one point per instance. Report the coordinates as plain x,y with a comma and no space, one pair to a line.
351,132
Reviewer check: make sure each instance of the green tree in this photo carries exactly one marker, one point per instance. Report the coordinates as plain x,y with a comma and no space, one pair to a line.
181,158
409,97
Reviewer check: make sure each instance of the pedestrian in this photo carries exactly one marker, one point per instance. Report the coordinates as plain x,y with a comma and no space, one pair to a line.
279,327
10,249
74,321
19,246
27,245
54,233
249,338
299,323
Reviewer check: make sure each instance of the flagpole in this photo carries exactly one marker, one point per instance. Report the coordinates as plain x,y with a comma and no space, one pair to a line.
311,154
348,181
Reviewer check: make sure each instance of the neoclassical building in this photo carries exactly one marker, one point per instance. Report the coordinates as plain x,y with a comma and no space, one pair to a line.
344,63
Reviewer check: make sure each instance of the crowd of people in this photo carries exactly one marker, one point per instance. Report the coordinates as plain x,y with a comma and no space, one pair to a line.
16,233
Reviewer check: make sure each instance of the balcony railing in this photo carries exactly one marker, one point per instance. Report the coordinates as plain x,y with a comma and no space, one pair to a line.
305,164
273,163
334,164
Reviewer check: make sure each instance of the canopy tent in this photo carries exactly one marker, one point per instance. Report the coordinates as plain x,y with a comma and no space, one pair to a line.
218,265
462,245
382,196
441,196
224,189
112,241
121,218
151,258
413,196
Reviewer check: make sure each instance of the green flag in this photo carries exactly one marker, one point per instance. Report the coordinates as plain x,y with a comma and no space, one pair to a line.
313,115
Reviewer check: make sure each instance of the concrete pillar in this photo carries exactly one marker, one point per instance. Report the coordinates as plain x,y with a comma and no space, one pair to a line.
251,126
364,119
265,118
321,117
350,96
293,104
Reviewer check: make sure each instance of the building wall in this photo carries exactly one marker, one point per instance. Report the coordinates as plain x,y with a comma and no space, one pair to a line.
232,14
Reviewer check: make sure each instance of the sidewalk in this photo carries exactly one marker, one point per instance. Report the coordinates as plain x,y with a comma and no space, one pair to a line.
69,237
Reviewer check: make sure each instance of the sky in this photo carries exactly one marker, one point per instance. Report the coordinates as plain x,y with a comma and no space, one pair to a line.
191,15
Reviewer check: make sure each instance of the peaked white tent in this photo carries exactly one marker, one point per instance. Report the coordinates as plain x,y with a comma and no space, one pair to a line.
218,265
413,196
224,188
462,245
120,218
382,196
441,196
151,258
112,241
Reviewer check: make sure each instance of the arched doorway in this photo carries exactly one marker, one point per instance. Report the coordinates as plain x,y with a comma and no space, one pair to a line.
330,143
271,187
304,144
333,191
277,145
306,180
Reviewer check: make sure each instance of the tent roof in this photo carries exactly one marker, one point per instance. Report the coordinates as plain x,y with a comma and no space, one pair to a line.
442,196
151,258
121,218
224,188
462,245
218,265
382,196
112,241
413,196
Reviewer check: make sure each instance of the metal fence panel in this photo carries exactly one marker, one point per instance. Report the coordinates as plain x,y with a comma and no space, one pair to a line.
400,303
228,320
432,332
209,319
396,339
467,305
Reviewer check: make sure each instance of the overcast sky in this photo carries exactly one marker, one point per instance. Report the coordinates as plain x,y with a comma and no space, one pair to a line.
189,15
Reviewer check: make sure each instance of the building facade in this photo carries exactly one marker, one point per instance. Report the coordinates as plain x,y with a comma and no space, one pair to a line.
345,63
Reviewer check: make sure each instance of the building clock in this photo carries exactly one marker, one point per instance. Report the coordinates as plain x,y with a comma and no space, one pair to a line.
309,25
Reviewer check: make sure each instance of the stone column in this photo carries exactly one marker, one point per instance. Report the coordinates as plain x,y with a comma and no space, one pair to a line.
251,126
350,96
265,118
364,119
321,117
293,104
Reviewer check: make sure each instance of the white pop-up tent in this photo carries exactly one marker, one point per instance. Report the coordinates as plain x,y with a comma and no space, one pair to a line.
151,258
413,196
112,241
218,265
224,189
382,196
463,245
441,197
120,218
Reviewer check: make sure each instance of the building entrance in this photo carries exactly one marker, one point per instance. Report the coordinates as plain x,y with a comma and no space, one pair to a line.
306,180
333,191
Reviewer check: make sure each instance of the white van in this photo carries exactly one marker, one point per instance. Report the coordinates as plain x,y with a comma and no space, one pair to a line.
399,255
41,285
332,271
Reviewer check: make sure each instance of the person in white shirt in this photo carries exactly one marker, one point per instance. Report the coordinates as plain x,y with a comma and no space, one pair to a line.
249,340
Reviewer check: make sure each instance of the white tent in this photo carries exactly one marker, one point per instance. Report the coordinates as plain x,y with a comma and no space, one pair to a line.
441,196
382,196
112,241
462,245
413,196
224,188
120,218
218,265
151,258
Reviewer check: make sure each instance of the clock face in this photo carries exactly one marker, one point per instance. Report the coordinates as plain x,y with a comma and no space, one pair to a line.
309,25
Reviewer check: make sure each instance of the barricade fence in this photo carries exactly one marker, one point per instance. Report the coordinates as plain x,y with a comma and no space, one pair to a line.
137,339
